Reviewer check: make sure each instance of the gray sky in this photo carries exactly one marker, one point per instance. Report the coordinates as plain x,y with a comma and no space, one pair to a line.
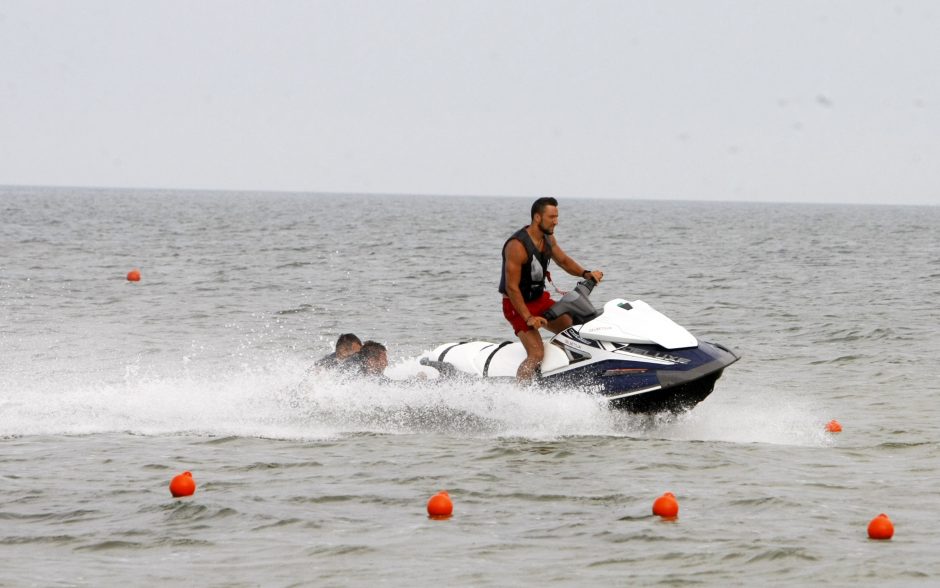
721,100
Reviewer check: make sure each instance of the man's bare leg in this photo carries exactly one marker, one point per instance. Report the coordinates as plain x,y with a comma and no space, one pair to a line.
532,341
534,348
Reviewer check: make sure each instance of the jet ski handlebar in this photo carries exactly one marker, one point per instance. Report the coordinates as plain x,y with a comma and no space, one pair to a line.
576,303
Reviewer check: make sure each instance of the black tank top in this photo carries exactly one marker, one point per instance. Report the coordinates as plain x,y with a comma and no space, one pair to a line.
534,270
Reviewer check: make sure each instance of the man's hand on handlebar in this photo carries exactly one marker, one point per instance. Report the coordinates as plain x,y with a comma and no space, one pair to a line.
596,275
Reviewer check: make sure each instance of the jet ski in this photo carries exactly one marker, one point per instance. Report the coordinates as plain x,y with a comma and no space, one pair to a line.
627,352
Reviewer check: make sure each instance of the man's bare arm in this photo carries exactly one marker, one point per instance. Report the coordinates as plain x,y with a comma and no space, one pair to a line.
571,266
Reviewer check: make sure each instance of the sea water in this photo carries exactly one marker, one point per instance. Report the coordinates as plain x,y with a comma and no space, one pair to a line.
109,388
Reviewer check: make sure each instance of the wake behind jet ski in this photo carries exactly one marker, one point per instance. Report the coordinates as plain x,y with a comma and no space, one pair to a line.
627,352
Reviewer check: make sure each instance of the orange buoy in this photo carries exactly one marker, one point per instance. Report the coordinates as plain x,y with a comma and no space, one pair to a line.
440,506
666,506
182,485
133,275
833,426
881,527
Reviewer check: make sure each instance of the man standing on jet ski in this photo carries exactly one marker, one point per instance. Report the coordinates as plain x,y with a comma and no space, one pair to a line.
525,266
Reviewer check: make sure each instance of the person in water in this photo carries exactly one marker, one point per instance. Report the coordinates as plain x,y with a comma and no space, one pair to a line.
525,267
347,346
372,360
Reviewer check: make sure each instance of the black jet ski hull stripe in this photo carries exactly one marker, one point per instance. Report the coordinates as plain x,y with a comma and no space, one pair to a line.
443,353
486,366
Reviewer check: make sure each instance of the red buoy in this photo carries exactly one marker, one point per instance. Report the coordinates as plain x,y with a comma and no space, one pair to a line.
182,485
881,527
833,426
133,275
666,506
440,506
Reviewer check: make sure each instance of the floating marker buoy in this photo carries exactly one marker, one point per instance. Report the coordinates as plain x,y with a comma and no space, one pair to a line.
133,275
881,527
440,506
833,426
666,506
182,485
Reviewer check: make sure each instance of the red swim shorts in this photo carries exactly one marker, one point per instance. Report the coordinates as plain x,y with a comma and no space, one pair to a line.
536,308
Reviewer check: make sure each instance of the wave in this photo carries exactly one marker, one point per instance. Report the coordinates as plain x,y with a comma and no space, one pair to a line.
278,399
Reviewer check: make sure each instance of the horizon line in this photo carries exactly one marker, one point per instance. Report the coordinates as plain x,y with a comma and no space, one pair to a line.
444,195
